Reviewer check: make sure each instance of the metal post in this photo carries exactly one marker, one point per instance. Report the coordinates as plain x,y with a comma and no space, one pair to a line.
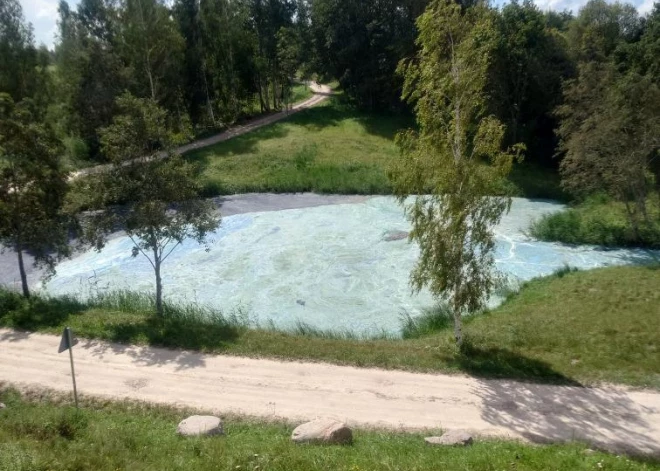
73,371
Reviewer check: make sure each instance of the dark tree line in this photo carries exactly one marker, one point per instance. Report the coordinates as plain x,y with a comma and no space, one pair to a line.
211,62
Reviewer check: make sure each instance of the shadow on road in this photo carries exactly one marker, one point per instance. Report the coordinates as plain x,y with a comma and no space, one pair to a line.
147,356
604,418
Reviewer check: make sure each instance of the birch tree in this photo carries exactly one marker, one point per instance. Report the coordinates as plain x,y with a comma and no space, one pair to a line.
162,206
455,160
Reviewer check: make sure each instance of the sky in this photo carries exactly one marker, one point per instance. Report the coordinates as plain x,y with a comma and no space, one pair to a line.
43,13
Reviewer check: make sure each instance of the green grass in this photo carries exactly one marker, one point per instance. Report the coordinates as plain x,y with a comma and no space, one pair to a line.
598,221
40,432
300,92
585,327
331,148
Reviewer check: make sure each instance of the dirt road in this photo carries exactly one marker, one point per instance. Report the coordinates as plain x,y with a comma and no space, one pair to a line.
611,418
321,92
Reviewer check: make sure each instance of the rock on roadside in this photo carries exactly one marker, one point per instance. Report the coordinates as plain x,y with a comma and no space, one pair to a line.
451,438
2,406
197,425
325,431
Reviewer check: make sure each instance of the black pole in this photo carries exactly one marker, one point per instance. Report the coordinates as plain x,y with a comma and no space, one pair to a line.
73,371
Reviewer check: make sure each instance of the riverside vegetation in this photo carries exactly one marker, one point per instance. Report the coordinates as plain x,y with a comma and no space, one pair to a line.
573,327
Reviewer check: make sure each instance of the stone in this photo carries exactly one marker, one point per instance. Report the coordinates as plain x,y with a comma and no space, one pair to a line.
451,438
326,431
395,235
197,425
2,406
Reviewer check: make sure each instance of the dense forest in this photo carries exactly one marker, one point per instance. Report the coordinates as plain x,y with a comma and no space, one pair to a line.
211,62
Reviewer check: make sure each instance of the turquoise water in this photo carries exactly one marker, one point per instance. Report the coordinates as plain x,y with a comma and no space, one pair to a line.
340,267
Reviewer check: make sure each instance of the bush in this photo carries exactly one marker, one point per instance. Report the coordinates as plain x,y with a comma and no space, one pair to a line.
597,221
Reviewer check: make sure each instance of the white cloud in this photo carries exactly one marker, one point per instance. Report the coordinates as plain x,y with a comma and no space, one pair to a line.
646,6
43,16
643,6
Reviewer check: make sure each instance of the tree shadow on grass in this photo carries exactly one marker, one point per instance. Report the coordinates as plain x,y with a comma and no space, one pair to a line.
242,144
36,313
386,125
496,362
181,341
317,118
170,331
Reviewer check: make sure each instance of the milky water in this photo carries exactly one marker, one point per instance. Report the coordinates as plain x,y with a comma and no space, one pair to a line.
332,267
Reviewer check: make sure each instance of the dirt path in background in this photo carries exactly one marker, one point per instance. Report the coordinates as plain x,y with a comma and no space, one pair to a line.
616,419
321,93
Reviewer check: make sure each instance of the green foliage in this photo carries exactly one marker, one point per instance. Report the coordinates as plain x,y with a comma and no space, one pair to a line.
529,64
610,133
152,46
32,189
600,27
456,157
132,435
361,43
22,68
163,208
598,221
643,56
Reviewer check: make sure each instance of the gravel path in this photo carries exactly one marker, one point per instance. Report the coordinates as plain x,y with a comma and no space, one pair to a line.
612,418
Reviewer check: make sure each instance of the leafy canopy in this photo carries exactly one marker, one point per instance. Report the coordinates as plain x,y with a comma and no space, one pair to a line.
32,188
162,208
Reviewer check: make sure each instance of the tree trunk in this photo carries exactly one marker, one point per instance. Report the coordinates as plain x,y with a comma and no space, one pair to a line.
21,269
261,96
209,105
151,83
275,103
458,328
266,94
159,286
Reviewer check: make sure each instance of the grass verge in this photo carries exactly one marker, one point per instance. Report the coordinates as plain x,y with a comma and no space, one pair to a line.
575,327
598,221
40,433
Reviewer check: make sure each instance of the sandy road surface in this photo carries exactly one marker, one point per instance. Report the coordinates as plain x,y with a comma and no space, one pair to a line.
321,92
612,418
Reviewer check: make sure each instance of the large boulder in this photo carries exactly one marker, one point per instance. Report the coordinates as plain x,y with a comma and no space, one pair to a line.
451,438
326,431
197,425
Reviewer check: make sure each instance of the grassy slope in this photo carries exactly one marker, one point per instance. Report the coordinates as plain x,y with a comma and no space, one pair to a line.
589,327
40,434
331,148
